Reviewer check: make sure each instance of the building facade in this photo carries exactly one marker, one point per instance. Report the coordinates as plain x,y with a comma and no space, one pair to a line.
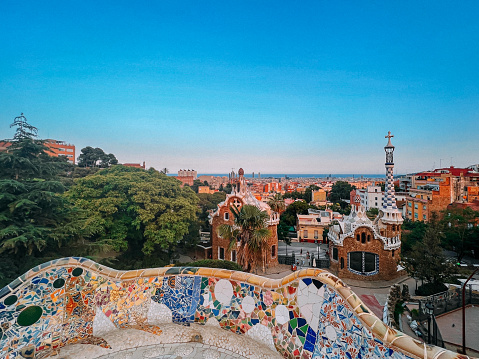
365,249
370,197
310,227
239,197
435,190
55,149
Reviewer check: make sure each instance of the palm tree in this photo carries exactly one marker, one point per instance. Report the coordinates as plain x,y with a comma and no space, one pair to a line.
276,203
249,235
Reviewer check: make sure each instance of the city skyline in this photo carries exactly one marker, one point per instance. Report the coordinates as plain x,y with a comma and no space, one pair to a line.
270,87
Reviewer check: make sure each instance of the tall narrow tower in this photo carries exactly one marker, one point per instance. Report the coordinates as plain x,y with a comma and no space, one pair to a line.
391,213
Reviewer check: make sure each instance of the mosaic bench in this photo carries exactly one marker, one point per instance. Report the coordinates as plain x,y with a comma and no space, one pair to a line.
308,314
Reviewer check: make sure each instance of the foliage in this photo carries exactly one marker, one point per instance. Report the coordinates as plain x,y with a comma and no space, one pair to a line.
426,261
196,184
276,203
208,202
130,208
212,263
412,233
461,234
283,233
96,157
372,213
289,216
227,189
251,231
340,190
33,214
306,195
431,288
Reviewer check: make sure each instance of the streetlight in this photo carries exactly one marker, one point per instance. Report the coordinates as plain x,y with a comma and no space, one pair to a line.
429,310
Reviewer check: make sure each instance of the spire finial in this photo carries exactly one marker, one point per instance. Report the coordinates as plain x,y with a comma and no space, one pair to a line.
389,139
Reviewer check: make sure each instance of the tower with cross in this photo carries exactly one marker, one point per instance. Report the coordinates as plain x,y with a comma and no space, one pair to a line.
366,249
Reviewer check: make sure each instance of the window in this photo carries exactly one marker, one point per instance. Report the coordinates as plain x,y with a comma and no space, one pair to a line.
369,238
393,253
273,251
363,263
305,233
363,237
221,253
233,255
358,237
416,206
69,149
424,217
424,207
416,215
335,253
315,234
342,262
227,216
409,204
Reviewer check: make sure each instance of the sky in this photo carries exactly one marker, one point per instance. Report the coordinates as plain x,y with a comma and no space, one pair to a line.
270,86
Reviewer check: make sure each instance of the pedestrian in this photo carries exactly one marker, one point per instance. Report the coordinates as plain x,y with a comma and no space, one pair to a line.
307,255
301,251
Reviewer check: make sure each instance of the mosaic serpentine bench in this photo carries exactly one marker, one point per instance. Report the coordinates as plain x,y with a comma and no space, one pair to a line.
77,303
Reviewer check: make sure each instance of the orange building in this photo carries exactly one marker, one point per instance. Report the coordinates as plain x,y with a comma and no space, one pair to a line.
55,149
434,191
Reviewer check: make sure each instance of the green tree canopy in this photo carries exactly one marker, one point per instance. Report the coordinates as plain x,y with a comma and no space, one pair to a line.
276,203
340,190
33,214
96,157
289,216
426,260
459,225
130,208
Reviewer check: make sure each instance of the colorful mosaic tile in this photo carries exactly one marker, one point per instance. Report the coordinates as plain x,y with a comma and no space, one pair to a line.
74,300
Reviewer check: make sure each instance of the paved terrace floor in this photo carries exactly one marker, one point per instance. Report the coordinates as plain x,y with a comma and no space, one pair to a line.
450,325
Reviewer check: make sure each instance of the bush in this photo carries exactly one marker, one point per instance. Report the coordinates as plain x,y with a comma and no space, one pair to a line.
431,288
212,263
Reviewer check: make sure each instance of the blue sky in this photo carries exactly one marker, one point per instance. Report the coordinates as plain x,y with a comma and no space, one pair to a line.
270,86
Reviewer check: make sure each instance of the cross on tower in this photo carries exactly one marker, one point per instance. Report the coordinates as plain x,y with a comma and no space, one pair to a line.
389,135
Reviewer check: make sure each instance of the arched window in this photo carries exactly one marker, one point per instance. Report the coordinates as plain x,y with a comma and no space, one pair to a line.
358,237
335,253
342,262
273,251
363,263
369,238
393,253
363,237
227,216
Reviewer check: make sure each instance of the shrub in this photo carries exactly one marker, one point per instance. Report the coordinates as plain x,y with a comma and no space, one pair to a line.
431,288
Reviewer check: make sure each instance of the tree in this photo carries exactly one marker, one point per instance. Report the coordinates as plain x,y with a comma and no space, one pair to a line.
308,193
297,207
340,190
276,203
96,157
36,221
130,209
412,233
208,202
458,224
250,232
372,213
427,262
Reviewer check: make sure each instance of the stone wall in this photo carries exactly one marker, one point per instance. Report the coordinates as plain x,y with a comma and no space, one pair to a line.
72,302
